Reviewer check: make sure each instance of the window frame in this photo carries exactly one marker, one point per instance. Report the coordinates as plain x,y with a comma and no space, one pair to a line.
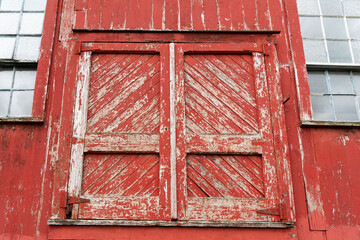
43,67
301,68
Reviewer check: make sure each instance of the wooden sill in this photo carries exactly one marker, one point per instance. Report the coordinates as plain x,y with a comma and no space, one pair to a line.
134,223
312,123
21,120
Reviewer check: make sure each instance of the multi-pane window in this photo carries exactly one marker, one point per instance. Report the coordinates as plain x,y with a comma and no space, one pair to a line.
331,37
21,23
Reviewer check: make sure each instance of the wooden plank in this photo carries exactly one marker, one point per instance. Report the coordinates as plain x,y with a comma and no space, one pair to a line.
250,15
269,160
219,84
233,169
134,177
211,107
224,184
131,208
263,14
138,119
204,143
237,14
122,94
201,182
105,174
166,134
223,48
94,14
171,15
143,182
210,15
224,17
107,142
133,104
185,17
197,15
108,182
79,128
180,132
280,136
221,228
222,209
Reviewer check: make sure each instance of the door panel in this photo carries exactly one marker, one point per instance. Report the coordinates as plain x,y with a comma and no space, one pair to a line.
123,160
226,161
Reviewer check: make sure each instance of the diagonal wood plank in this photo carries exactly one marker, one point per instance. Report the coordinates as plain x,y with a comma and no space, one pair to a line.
214,174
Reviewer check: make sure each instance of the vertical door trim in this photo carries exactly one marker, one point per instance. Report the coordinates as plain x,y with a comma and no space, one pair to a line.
172,132
80,116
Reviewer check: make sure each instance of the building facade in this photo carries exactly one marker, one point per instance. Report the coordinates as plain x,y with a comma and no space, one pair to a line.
179,119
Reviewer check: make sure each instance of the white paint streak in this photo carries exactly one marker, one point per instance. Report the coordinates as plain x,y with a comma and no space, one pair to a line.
80,117
172,133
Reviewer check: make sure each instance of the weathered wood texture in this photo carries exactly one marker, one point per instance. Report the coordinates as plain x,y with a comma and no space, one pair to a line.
173,15
29,152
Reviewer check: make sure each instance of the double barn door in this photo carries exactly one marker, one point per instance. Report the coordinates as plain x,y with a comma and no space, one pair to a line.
178,132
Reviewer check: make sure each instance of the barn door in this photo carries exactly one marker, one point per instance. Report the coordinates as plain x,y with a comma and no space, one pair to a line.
226,166
178,132
120,155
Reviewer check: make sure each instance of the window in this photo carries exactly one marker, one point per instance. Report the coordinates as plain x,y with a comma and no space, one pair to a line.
21,23
331,38
181,133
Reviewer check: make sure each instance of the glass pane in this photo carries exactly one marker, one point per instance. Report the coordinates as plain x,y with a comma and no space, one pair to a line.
4,100
331,7
354,27
356,79
10,5
339,51
315,51
6,75
35,5
340,83
21,104
356,50
317,82
308,7
9,23
321,108
345,108
351,7
311,27
7,47
32,23
28,48
334,28
25,78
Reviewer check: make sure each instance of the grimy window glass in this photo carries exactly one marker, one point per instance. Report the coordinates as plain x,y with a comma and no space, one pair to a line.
331,37
21,23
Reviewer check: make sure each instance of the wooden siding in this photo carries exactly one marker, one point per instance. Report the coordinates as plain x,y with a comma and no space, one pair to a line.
31,188
174,15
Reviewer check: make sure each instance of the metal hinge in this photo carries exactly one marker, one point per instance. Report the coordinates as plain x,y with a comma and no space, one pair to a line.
269,211
77,200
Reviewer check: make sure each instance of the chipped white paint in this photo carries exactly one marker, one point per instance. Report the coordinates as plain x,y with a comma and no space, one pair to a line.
172,133
121,142
80,116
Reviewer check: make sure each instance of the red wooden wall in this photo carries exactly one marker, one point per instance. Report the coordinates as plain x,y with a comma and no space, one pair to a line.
324,161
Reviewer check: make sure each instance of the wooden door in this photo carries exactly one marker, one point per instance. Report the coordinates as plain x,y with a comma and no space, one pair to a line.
182,132
120,154
226,163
